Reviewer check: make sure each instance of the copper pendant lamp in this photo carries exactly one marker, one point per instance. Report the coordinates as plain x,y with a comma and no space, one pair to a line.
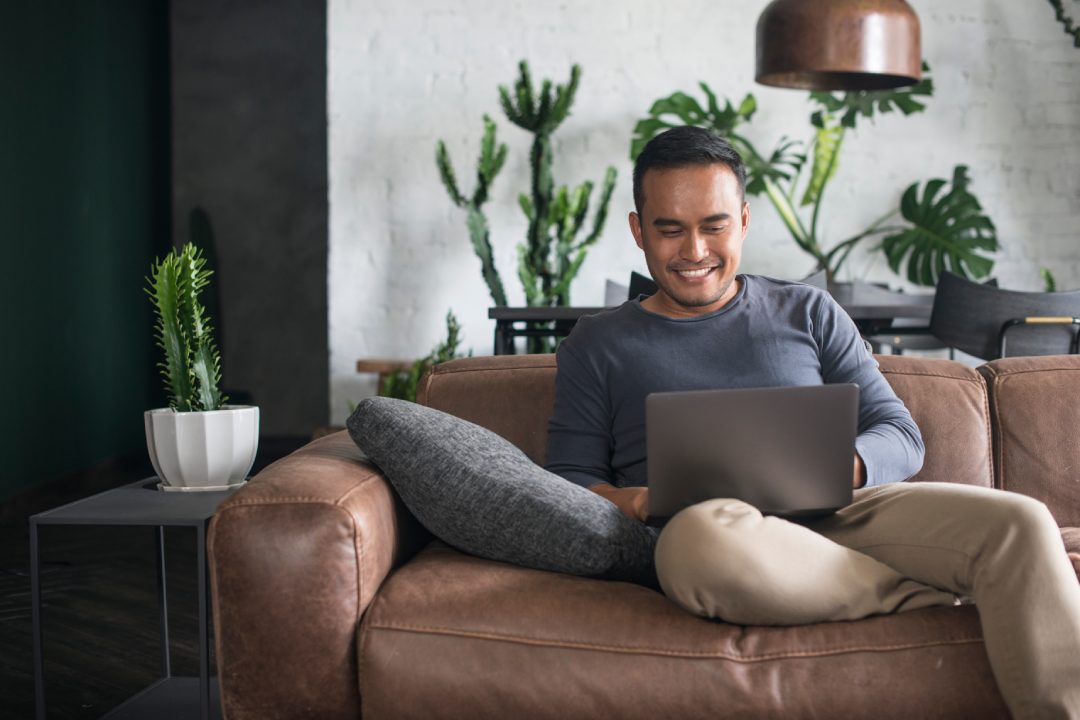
838,45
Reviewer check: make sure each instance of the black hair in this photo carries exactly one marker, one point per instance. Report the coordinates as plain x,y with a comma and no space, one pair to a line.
682,146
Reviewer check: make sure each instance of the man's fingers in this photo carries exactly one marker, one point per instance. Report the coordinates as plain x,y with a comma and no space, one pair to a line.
1075,557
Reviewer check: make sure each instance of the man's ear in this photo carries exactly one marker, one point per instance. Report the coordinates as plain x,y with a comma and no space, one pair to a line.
635,229
745,217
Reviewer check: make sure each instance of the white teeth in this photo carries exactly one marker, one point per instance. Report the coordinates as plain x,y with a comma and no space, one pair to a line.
694,273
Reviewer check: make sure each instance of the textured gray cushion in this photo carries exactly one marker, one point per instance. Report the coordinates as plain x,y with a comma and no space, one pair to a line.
477,492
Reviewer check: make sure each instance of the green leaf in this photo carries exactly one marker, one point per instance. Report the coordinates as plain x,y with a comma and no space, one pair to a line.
865,103
682,106
827,145
748,106
1049,283
946,232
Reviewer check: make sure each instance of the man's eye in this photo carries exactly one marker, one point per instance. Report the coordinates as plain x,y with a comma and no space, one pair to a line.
719,229
671,233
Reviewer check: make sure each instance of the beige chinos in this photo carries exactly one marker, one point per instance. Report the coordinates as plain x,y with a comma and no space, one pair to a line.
896,547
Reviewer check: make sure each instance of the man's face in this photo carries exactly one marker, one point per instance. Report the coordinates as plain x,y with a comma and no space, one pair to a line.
692,225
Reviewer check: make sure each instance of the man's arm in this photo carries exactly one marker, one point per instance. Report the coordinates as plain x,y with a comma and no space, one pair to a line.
889,445
579,434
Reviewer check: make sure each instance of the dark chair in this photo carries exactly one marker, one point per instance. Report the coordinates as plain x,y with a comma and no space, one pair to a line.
983,320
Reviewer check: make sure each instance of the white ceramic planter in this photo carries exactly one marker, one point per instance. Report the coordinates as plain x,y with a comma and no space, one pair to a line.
201,450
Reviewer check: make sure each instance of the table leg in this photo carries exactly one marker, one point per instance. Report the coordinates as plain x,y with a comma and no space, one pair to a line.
163,603
500,338
204,635
35,613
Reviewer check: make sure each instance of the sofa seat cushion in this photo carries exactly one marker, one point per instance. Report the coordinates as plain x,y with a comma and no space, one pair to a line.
450,635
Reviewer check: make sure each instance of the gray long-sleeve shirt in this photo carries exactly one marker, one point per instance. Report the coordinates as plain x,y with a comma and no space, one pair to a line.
773,333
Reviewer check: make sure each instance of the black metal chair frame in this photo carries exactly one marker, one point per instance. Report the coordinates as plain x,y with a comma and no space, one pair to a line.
1074,346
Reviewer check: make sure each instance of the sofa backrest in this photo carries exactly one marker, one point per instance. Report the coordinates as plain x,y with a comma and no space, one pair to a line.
948,402
513,396
1034,408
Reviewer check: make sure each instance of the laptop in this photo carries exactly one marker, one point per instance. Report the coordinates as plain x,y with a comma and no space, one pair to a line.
787,451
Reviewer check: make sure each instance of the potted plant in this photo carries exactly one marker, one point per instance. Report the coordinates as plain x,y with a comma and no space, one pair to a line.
198,442
943,228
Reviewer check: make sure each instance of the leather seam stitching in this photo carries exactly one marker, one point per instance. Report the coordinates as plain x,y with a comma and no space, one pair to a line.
1002,374
282,501
989,427
1000,432
930,374
438,370
526,640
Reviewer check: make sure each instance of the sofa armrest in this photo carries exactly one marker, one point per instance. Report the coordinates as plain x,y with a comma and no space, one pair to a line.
295,558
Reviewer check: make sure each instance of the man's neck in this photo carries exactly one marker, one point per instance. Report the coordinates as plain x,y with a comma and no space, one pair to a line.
662,304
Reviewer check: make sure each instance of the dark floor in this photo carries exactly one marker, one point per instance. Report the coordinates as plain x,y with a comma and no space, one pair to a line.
99,596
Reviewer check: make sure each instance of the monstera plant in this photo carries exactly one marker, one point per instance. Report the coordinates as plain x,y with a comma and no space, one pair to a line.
942,231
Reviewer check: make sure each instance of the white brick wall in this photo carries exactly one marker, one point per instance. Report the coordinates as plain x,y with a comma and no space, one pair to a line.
403,74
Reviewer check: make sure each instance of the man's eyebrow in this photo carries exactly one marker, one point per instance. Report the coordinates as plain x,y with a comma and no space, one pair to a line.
719,217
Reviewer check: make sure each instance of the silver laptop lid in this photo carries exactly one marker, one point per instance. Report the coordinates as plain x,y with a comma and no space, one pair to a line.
787,450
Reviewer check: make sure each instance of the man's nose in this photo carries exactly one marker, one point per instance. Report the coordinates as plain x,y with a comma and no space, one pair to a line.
694,248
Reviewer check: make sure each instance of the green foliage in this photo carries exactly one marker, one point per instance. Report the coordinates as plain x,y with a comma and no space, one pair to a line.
552,254
851,105
403,385
680,109
491,160
778,176
192,366
826,146
946,233
1067,22
1049,283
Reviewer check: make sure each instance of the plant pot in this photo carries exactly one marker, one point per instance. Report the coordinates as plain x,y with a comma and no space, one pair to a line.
202,450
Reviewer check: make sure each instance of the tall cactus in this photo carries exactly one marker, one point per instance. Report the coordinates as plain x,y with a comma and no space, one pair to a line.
549,261
192,367
488,166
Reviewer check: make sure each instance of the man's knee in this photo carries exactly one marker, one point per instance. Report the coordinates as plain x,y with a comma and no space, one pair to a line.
994,513
1029,519
706,555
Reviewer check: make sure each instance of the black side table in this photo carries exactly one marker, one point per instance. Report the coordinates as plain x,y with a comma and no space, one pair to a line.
142,504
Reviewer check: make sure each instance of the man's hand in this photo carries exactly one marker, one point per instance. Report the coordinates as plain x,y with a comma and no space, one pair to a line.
859,478
632,501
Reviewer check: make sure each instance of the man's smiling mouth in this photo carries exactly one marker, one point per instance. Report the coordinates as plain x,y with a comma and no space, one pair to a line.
699,272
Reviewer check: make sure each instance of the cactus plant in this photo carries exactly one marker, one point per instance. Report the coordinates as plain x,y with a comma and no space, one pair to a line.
405,383
551,257
192,366
487,167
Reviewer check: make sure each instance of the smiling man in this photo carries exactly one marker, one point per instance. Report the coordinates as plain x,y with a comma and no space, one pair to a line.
896,547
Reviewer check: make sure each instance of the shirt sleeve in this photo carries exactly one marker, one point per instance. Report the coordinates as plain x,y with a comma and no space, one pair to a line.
579,432
888,441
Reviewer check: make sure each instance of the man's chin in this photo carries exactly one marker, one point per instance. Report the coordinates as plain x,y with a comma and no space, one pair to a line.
701,299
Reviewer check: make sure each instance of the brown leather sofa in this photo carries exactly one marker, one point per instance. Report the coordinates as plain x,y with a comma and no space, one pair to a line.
331,602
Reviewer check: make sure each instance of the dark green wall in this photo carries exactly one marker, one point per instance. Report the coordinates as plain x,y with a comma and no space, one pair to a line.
84,203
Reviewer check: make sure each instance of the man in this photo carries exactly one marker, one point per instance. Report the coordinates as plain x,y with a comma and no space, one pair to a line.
896,547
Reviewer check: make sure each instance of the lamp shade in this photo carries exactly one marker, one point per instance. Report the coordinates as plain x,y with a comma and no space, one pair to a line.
838,45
